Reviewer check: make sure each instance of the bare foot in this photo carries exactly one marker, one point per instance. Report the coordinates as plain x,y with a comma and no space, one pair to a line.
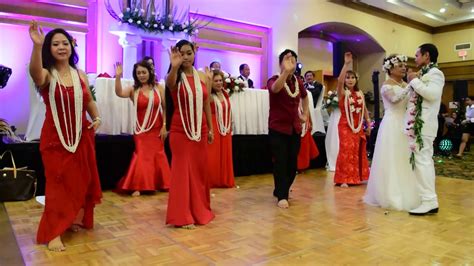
344,185
189,227
136,194
56,245
75,228
283,204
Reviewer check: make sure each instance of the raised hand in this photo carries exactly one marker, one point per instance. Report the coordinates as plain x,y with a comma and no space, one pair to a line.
36,33
118,69
175,57
347,58
209,73
289,63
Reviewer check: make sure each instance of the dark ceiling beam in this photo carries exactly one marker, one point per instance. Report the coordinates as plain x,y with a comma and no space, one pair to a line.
383,14
317,35
454,27
363,7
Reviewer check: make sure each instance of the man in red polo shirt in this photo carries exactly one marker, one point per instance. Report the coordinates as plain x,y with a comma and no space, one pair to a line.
284,124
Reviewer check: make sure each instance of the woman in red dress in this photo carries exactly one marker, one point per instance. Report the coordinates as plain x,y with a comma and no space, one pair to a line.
352,166
149,169
189,200
308,148
220,169
67,137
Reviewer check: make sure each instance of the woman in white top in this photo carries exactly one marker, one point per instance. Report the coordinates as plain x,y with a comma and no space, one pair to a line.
392,182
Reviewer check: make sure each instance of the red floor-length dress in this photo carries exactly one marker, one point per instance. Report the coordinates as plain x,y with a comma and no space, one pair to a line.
308,149
72,179
189,198
352,166
221,169
149,169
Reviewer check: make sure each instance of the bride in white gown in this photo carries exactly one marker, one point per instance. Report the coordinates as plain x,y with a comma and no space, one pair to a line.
392,182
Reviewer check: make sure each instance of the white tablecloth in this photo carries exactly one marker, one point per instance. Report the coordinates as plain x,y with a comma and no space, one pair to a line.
116,113
250,110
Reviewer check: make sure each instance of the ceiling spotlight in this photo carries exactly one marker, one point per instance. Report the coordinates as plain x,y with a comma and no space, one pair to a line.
472,10
442,10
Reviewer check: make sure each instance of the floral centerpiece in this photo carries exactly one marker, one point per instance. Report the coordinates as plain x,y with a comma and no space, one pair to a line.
331,100
232,84
155,19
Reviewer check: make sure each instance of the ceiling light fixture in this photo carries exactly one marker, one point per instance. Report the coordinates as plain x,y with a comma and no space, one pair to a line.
442,10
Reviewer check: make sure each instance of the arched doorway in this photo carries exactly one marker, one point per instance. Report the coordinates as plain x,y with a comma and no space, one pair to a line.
322,46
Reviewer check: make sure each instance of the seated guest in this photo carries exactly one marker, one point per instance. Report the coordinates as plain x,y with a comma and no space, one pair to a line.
467,125
454,129
215,66
244,75
312,86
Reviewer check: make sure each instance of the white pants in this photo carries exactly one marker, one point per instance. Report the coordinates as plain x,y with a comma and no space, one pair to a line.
425,171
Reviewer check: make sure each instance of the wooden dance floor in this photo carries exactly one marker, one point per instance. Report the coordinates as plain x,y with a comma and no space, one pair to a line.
324,225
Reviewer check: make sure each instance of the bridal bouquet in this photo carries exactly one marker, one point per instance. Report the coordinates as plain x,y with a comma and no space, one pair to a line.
331,100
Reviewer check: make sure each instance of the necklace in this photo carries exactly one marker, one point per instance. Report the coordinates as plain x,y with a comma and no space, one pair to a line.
148,122
348,102
192,129
223,121
297,88
71,141
398,83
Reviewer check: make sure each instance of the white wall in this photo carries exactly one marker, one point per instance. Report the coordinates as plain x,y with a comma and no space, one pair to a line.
15,53
315,54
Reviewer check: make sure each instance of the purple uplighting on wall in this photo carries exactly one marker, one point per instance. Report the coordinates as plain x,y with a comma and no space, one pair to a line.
15,97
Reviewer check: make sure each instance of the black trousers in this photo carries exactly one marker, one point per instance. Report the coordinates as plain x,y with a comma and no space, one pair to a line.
285,150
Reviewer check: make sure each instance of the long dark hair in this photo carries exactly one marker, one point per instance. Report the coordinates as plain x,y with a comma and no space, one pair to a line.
47,57
169,99
151,77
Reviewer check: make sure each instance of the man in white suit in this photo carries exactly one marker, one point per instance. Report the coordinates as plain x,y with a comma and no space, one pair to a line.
428,85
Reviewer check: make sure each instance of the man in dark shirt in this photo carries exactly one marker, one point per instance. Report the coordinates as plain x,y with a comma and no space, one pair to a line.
285,124
244,75
313,86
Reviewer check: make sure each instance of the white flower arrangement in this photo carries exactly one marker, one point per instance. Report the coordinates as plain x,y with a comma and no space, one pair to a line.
332,101
390,62
150,20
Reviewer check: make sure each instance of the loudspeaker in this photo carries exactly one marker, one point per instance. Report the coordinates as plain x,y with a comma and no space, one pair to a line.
339,48
459,90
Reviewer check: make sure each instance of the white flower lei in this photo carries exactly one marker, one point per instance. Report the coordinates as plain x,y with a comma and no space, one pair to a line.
192,130
146,125
224,123
297,88
71,142
349,107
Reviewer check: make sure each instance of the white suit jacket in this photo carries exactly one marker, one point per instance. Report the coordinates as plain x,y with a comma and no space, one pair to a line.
430,87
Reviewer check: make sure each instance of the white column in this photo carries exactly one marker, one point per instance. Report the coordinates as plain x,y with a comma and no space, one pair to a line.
129,44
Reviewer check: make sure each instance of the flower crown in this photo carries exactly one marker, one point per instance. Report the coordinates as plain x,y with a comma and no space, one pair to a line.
389,63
